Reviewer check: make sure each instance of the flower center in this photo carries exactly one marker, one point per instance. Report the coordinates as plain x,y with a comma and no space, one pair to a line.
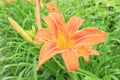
64,42
82,51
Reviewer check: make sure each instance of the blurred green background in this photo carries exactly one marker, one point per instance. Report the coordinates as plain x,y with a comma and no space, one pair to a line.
19,58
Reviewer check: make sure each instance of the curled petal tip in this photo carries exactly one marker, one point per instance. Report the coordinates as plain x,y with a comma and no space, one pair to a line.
37,67
95,52
86,58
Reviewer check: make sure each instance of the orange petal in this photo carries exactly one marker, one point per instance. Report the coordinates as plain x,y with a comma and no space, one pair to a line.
55,21
70,59
57,18
43,34
86,58
83,50
51,25
94,52
52,6
37,14
39,1
89,36
74,23
47,51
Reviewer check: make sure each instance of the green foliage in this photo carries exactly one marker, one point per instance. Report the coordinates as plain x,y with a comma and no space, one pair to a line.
18,58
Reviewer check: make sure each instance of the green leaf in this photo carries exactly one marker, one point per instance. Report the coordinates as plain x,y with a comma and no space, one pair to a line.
45,75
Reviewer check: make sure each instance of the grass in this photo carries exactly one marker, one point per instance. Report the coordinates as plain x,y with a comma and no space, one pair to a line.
19,58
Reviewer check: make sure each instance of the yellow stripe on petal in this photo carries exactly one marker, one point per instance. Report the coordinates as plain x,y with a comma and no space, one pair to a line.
70,43
61,42
64,42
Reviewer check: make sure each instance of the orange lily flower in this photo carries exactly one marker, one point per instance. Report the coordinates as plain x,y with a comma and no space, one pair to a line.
64,38
85,51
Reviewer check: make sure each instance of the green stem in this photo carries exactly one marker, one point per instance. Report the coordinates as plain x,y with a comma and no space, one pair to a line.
58,63
86,73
